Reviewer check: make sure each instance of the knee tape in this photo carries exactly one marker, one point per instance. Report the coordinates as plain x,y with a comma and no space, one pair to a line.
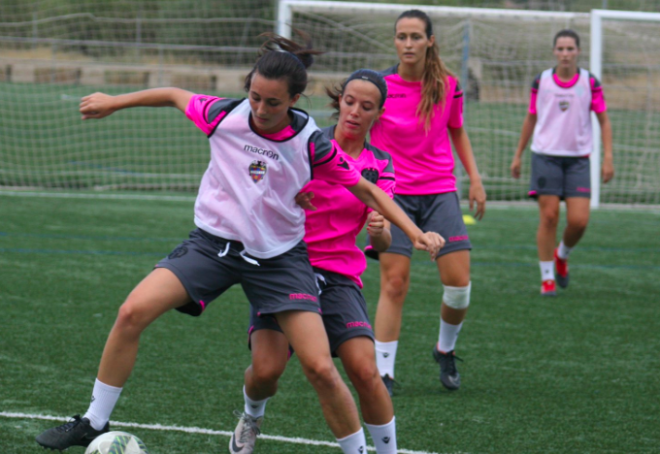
457,297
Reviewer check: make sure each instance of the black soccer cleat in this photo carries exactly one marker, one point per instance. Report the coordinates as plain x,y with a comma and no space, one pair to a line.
77,432
389,383
449,376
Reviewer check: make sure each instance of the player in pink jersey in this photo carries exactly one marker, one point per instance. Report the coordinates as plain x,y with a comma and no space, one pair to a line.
331,230
423,117
262,154
559,117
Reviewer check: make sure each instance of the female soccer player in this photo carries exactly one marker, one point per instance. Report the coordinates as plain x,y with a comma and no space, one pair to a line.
331,231
423,111
249,231
560,118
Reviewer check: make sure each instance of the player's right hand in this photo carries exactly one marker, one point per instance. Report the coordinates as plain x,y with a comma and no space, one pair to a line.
431,242
515,167
304,200
97,105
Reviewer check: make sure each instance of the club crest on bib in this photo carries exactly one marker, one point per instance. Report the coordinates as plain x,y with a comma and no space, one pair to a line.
258,171
563,105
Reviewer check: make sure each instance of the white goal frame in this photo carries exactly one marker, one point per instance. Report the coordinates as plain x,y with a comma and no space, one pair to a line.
596,68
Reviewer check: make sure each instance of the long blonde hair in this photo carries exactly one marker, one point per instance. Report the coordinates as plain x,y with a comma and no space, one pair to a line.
434,79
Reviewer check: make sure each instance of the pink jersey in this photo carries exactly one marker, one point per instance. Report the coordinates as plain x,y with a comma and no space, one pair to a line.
248,191
423,160
563,109
331,230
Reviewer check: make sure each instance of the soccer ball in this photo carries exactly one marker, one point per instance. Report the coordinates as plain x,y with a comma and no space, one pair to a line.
116,443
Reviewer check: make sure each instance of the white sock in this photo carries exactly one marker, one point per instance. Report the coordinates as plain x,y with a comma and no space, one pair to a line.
104,399
448,336
547,270
384,437
254,408
385,356
353,444
563,251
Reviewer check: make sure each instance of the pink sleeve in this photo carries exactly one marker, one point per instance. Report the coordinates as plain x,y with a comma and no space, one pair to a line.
597,97
336,169
198,109
532,102
456,114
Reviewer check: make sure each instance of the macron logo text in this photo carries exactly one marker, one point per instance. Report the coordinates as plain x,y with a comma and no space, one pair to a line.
302,296
262,151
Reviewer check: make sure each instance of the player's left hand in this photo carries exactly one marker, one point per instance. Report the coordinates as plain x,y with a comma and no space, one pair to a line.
431,242
477,195
375,224
607,170
304,200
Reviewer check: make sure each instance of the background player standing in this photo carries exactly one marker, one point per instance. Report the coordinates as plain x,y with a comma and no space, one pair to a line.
559,116
423,112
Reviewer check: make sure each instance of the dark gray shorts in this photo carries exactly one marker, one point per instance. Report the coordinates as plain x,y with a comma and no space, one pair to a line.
560,176
343,308
208,265
439,213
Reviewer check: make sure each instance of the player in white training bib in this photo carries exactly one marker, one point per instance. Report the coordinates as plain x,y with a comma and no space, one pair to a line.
559,118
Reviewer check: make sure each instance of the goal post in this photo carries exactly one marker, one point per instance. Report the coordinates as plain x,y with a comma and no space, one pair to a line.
596,67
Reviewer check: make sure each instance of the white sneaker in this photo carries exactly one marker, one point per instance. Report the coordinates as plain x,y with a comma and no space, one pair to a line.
245,435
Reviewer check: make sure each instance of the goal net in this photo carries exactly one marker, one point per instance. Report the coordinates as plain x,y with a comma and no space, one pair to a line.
50,58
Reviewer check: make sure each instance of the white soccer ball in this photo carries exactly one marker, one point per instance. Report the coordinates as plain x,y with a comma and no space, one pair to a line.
116,443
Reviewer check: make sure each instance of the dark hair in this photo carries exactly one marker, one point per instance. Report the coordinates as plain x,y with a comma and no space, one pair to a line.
361,74
567,33
435,72
281,58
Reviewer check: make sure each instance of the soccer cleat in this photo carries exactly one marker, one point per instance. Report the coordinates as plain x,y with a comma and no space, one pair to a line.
245,435
548,288
389,383
561,268
449,376
77,432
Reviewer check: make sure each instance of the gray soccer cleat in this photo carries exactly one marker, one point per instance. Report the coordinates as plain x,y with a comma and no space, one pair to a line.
449,376
245,435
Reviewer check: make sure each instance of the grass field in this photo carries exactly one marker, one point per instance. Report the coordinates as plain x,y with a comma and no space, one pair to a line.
573,374
44,144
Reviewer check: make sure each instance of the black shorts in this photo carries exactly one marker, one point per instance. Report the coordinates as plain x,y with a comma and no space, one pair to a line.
440,213
343,309
560,176
208,265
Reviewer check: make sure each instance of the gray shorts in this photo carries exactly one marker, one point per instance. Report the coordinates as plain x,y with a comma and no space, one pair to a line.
343,309
560,176
439,213
208,265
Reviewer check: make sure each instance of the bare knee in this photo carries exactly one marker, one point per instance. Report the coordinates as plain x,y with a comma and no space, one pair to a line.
578,224
549,219
322,374
365,378
395,286
266,375
131,320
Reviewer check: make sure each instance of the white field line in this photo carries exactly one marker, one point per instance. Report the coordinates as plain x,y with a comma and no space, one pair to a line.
197,430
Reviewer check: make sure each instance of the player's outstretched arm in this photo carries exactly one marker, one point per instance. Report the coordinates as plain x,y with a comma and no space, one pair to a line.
607,169
100,105
527,130
374,197
477,192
